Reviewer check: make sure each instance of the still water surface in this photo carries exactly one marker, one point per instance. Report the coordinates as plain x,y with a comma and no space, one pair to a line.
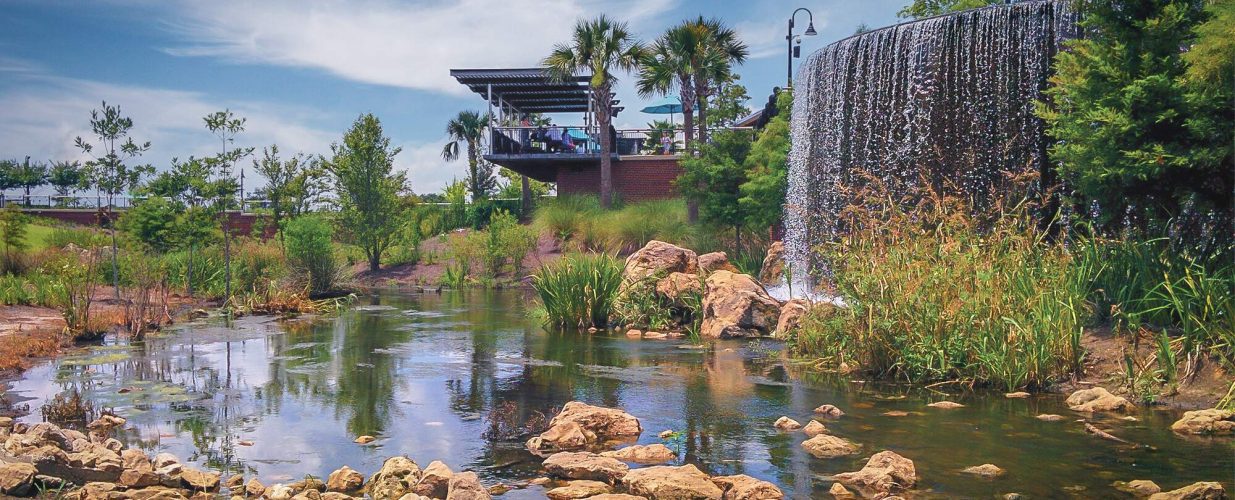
422,373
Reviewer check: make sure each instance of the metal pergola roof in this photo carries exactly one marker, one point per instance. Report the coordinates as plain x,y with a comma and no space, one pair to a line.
530,90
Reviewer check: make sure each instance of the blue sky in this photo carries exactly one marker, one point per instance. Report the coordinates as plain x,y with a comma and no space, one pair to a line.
301,71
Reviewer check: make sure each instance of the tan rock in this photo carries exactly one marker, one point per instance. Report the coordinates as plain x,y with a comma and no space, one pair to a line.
1208,422
840,491
163,460
395,478
365,439
663,481
814,428
715,261
829,411
652,454
744,487
466,486
616,496
235,482
566,435
787,424
344,480
1097,399
583,465
658,258
885,472
579,489
946,405
984,470
1194,491
773,269
106,423
735,305
677,286
1139,488
828,446
592,425
1017,395
134,478
135,459
198,480
791,314
1051,417
279,492
308,483
254,488
17,479
434,480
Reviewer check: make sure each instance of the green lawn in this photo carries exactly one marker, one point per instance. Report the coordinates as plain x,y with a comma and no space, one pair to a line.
37,235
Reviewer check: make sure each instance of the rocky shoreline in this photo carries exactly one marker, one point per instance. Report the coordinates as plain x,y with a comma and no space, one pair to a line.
588,452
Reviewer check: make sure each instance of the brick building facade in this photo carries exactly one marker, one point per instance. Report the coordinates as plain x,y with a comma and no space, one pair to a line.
635,178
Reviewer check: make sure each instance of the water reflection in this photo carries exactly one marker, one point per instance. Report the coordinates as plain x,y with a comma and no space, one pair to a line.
421,373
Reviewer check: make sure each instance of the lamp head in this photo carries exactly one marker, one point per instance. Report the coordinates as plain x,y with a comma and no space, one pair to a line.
810,29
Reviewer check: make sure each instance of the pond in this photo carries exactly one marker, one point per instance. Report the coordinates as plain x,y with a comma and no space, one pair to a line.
423,372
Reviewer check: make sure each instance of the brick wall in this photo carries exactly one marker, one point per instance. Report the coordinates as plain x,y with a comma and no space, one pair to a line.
635,178
241,224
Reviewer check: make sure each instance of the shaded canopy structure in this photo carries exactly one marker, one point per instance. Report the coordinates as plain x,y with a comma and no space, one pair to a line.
528,90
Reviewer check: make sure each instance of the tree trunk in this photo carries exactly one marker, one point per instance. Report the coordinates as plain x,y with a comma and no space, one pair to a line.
688,135
525,204
115,266
375,261
188,279
227,256
606,146
702,99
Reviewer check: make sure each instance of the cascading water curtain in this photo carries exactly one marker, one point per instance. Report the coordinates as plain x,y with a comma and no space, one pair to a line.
949,99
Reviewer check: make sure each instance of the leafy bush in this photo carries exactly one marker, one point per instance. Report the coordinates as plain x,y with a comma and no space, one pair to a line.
579,290
507,243
310,252
153,222
937,293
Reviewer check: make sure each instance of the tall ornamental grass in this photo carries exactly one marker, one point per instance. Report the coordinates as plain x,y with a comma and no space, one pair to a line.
939,293
579,290
582,225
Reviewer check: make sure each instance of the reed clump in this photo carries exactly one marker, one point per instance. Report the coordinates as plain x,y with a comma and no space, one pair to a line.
579,290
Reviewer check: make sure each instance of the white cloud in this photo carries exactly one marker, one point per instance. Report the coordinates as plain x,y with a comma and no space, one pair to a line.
384,42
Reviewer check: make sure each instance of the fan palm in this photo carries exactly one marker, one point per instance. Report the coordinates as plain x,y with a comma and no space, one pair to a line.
599,47
468,128
669,66
720,50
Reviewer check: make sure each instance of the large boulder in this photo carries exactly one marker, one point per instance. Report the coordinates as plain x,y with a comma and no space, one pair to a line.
715,261
652,454
1211,422
396,477
583,465
676,287
885,472
434,480
744,487
686,483
344,480
466,486
198,480
829,446
133,458
1097,400
773,270
580,426
735,305
579,489
17,479
1194,491
658,258
791,314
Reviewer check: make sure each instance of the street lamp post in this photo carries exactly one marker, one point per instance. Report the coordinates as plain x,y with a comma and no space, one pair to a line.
796,51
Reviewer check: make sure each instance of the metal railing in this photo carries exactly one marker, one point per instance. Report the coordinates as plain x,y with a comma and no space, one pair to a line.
97,201
585,141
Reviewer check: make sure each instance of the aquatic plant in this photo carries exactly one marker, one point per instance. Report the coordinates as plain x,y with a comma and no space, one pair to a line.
579,290
69,409
938,291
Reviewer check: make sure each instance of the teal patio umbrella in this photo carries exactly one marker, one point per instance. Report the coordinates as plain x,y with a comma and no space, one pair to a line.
668,105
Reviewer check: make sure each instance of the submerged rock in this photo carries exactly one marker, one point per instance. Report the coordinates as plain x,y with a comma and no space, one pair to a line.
885,472
735,305
744,487
773,269
787,424
583,465
652,454
659,258
1209,422
984,470
946,405
663,481
1051,417
1097,399
1017,395
579,489
1138,488
829,411
827,446
466,486
580,425
1194,491
840,491
365,439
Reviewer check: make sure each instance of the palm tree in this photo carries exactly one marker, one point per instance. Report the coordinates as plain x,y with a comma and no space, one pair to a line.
670,65
599,46
469,128
720,50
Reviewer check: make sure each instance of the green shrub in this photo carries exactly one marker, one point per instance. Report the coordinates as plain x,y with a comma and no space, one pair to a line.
256,267
579,290
564,216
310,252
507,243
152,223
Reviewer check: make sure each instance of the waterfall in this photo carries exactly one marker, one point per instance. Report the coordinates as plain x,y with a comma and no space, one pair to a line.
950,98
